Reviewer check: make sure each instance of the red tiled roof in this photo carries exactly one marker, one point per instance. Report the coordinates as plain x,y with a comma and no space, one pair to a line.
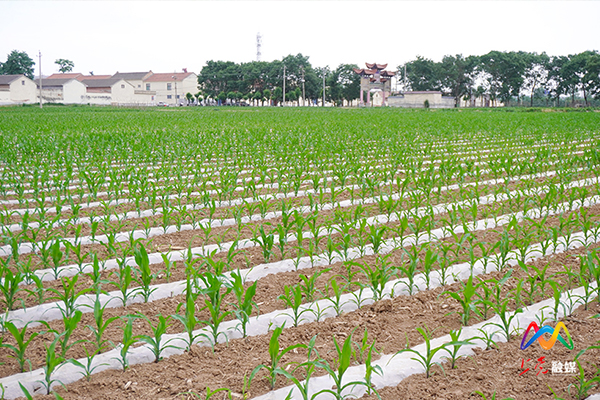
169,77
74,75
90,77
376,66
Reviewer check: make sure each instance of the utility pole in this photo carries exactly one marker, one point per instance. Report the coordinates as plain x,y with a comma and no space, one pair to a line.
303,94
323,87
405,81
40,64
284,85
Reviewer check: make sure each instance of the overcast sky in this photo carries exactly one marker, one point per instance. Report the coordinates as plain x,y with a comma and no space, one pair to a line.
164,36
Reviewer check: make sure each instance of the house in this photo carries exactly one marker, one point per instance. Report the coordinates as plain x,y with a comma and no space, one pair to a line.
61,88
171,88
431,99
16,89
134,78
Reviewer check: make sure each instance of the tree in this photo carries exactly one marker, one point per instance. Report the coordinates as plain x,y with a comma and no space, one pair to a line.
17,62
586,68
277,94
65,65
267,96
189,97
457,76
560,81
423,74
349,82
536,72
505,73
257,96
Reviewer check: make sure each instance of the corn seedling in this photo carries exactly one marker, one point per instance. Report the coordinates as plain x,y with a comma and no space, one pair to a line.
127,341
245,300
466,301
88,368
292,298
274,368
21,343
143,273
101,325
344,356
155,341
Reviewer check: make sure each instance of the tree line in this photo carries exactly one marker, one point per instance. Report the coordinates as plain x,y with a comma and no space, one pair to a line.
501,76
262,81
508,76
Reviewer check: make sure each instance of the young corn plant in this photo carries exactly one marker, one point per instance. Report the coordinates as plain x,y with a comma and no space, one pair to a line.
101,325
156,340
143,273
377,276
213,302
127,341
308,285
344,356
410,270
308,369
21,343
292,298
188,319
68,296
123,281
583,385
274,368
454,346
336,298
245,301
266,243
88,368
466,301
10,287
53,362
506,317
426,359
70,325
57,256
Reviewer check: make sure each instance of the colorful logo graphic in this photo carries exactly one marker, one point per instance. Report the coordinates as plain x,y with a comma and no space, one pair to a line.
539,336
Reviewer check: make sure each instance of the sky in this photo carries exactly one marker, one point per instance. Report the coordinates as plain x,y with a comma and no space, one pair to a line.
167,36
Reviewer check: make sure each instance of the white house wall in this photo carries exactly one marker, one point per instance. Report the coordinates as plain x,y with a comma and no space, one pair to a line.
417,100
73,92
5,97
189,84
23,90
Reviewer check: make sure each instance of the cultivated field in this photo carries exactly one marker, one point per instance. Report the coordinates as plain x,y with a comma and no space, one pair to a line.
288,253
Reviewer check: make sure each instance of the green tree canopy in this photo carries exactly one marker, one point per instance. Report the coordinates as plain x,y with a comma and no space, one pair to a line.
17,62
65,65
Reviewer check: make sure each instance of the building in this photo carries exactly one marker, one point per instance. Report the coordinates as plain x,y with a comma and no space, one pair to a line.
134,78
116,92
171,88
17,89
376,82
64,90
120,89
428,99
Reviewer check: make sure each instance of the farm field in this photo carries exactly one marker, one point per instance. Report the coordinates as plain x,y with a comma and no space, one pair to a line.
299,253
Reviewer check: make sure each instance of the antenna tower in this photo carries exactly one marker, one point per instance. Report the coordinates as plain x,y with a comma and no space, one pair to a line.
258,46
